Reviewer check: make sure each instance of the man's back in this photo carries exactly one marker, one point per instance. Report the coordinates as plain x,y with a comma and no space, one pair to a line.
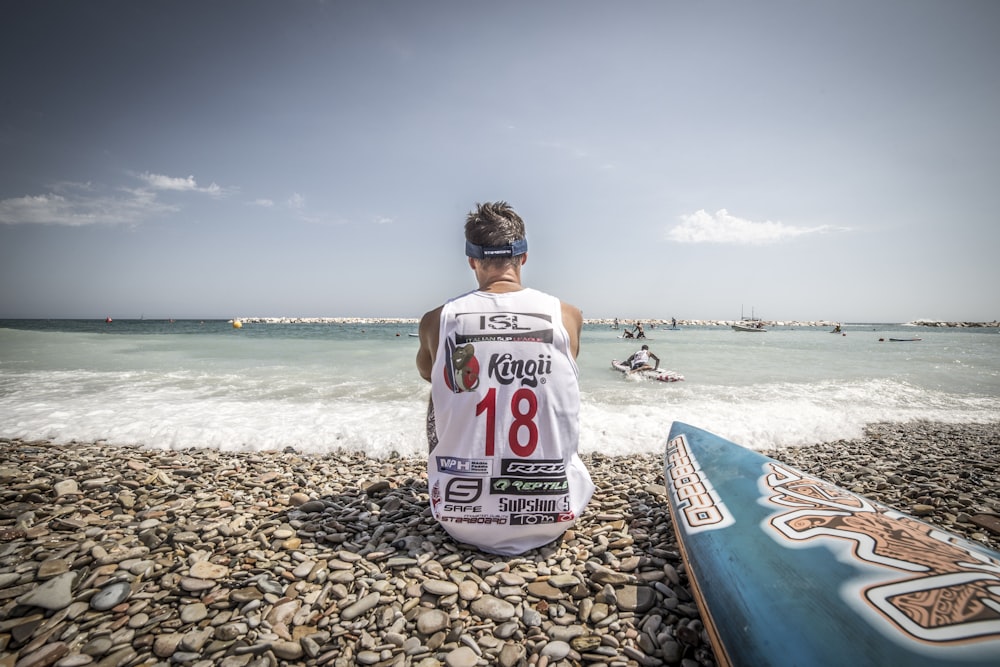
504,474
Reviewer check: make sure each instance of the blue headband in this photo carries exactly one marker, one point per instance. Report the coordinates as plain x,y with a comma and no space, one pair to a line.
518,247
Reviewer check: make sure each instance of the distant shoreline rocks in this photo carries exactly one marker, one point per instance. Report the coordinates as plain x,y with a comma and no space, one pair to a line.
326,320
953,325
609,322
788,323
711,323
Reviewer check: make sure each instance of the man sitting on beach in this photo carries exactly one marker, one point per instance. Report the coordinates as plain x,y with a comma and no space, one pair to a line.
503,421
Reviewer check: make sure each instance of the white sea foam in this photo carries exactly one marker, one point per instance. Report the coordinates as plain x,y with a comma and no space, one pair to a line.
324,390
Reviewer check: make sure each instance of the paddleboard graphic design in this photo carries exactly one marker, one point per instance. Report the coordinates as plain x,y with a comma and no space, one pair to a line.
853,581
929,584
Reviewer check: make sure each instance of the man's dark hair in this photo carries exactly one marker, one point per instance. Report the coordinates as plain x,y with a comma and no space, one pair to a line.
495,224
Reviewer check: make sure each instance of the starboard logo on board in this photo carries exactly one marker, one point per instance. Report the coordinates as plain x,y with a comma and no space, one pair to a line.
700,507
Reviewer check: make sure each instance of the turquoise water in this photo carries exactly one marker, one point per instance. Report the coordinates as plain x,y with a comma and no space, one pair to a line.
322,387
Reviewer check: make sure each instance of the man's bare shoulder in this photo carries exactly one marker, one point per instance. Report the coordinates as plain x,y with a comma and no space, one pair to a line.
428,333
571,314
572,319
431,318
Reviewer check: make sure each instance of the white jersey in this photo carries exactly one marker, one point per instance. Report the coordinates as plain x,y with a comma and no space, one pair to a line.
505,475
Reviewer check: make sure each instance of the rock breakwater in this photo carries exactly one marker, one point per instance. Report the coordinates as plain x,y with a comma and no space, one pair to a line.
954,325
602,321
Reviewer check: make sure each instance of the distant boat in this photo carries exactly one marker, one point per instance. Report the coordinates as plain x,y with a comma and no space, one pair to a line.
751,324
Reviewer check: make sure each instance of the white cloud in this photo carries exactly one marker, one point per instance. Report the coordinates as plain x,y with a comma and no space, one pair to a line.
77,204
177,184
722,227
297,201
264,203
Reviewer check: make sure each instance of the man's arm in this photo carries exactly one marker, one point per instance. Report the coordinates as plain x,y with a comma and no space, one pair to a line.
429,331
573,321
657,359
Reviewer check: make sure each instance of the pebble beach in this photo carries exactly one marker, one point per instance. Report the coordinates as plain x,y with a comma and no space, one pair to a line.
120,556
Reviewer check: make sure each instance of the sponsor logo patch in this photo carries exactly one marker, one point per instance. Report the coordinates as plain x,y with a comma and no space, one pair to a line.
534,487
486,519
463,491
455,465
540,518
524,327
534,504
532,468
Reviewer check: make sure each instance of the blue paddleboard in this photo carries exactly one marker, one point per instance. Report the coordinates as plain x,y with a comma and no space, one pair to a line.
790,570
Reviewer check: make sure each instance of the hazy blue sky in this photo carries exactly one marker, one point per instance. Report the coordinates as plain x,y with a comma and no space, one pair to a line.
835,160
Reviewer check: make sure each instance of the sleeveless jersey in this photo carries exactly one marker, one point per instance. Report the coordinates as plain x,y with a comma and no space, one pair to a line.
504,475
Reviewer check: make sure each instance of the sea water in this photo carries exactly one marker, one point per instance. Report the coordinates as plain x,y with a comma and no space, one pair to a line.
325,387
